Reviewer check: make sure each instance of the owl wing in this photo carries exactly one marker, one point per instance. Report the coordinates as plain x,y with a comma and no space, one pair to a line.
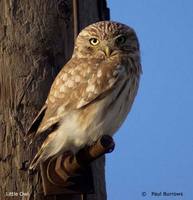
36,122
80,83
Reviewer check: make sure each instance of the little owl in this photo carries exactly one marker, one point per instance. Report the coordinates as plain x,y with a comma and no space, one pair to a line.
92,94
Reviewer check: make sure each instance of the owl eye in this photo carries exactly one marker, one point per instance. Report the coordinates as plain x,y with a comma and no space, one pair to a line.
121,39
94,41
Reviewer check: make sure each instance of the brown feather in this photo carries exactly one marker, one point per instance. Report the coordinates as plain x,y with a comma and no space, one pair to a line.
35,124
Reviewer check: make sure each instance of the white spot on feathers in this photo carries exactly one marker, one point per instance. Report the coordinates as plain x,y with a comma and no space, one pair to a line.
90,88
69,83
64,77
81,103
99,73
62,88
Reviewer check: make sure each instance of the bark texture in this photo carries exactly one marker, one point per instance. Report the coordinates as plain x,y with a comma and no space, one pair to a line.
36,40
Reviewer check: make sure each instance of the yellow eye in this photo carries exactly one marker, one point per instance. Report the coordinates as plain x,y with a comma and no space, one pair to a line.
121,39
94,41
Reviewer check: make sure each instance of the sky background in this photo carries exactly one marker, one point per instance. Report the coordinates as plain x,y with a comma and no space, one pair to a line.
154,147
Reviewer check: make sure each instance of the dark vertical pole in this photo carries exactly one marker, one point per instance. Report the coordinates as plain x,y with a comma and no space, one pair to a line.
75,18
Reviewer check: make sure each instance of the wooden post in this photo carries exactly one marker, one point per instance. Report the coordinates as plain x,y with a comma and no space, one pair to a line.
36,40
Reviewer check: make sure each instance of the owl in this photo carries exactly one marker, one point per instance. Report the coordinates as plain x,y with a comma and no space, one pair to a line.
92,94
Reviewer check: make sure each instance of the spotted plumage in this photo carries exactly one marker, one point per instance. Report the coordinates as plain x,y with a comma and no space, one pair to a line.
93,93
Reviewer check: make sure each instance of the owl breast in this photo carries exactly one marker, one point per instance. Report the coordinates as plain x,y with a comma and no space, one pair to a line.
118,110
106,116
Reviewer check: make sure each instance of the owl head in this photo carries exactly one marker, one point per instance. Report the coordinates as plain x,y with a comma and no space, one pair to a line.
106,39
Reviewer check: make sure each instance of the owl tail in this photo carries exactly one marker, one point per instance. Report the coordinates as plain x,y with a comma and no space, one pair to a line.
36,160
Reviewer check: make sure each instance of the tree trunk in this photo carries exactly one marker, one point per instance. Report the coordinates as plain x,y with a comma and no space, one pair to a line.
36,40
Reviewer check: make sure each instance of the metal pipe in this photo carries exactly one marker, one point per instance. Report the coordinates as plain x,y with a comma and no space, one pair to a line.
67,166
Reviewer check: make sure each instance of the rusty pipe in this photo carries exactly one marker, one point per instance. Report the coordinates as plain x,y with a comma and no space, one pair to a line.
71,165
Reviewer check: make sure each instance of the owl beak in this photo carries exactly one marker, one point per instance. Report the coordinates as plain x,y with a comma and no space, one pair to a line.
107,51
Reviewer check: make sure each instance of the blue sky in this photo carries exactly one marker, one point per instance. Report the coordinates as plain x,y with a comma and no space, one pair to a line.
154,147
